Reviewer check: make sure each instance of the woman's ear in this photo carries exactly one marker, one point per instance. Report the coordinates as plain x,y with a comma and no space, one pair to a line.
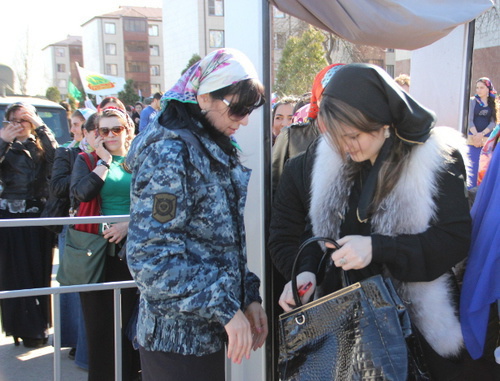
204,101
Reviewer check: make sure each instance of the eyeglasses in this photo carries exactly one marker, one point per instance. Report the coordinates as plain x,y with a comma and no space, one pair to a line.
238,112
104,131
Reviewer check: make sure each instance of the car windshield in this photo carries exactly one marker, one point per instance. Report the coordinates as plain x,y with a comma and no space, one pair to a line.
55,119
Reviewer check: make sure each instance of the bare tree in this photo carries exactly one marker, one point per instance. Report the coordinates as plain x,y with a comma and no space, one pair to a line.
489,20
338,50
24,58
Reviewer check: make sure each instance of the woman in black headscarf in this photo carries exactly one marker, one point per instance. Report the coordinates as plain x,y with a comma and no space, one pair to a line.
391,189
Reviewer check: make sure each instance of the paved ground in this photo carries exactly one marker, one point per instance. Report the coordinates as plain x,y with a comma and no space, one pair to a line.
25,364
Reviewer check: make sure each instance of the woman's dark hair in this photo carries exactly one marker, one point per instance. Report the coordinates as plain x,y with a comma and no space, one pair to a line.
334,115
249,94
90,123
492,102
288,100
107,100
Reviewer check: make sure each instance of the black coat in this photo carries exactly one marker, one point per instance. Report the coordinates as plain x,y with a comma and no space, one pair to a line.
24,170
61,172
290,224
85,184
59,203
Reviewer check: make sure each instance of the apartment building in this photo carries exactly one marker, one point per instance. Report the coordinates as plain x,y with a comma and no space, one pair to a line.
191,27
60,59
127,43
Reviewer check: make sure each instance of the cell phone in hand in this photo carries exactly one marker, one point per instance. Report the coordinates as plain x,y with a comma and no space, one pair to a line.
304,288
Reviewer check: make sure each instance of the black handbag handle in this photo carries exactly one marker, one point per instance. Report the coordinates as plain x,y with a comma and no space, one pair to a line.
295,292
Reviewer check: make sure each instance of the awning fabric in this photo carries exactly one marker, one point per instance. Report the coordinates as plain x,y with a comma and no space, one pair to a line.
398,24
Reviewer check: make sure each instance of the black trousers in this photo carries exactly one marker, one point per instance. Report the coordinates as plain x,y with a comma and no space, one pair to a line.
163,366
25,262
97,310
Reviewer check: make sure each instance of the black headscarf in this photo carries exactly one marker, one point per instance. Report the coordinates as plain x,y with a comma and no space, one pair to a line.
372,91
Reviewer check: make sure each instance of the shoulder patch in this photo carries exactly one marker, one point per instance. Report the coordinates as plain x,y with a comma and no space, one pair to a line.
164,207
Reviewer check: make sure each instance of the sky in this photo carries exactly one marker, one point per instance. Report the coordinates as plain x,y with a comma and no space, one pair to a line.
46,22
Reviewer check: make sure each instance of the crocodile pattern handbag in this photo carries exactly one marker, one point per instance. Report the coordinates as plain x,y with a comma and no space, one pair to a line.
356,333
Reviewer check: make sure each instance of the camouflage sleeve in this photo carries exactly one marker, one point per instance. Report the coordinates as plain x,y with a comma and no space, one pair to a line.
169,277
252,284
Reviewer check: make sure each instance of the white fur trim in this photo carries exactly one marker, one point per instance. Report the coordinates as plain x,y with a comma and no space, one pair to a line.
432,311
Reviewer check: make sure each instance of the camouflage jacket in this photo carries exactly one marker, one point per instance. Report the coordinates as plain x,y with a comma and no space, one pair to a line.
186,243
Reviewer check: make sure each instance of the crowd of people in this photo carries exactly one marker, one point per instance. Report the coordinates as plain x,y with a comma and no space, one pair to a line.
369,169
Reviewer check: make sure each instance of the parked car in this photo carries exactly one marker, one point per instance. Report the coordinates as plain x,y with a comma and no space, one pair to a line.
53,114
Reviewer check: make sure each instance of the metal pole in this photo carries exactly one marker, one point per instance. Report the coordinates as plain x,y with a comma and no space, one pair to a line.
118,334
57,337
268,278
468,75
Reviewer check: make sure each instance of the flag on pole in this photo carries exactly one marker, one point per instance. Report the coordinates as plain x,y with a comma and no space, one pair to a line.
100,84
73,91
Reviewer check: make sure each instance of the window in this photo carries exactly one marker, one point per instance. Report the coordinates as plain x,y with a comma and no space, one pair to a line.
61,68
390,70
112,69
59,52
62,83
216,38
278,14
154,70
375,61
216,7
136,46
155,88
111,49
153,30
154,50
137,67
134,25
109,28
279,40
390,50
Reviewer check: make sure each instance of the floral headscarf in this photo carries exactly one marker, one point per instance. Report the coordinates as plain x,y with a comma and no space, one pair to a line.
489,85
301,114
219,69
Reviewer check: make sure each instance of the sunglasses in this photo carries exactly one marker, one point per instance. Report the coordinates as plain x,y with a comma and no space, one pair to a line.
14,122
239,112
104,131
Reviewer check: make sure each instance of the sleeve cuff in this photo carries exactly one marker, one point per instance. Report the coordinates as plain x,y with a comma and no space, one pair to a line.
383,248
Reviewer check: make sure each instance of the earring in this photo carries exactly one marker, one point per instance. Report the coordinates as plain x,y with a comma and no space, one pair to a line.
204,112
387,133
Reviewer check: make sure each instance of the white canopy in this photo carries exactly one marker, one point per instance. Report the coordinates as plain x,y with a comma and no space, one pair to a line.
398,24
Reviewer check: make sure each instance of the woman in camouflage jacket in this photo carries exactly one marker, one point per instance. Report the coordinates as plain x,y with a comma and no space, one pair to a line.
186,244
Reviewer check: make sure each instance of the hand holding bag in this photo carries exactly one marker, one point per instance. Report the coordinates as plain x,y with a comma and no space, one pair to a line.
356,333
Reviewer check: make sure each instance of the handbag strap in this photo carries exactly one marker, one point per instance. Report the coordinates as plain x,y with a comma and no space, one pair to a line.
345,278
91,160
